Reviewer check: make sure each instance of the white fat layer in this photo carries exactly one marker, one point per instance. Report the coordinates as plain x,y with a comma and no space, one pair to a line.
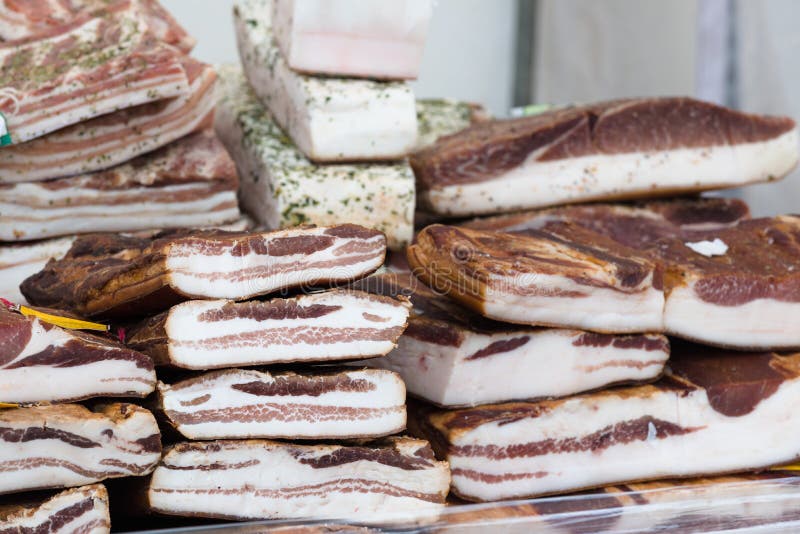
768,435
388,394
605,310
106,214
190,272
329,119
109,377
539,184
354,37
118,448
275,468
717,247
18,262
97,517
548,365
761,324
277,180
188,334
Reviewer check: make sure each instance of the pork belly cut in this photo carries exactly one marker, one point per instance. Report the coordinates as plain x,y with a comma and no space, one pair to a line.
333,325
73,511
189,183
19,261
566,276
449,355
329,119
606,151
67,445
317,404
91,67
260,479
438,117
715,411
115,275
282,188
356,38
117,137
42,362
729,281
21,19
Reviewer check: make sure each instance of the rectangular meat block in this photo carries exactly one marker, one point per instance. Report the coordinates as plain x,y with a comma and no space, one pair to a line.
332,325
565,277
439,117
110,274
715,411
67,445
448,355
728,280
22,19
261,479
282,188
329,119
81,510
324,404
189,183
116,137
85,69
19,261
358,38
606,151
42,362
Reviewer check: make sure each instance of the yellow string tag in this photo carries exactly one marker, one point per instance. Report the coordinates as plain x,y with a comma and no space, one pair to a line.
8,405
64,322
790,467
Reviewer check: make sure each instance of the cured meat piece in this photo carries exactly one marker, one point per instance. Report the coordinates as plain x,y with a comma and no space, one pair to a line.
237,403
42,362
566,277
452,357
113,275
73,511
18,262
334,325
438,117
68,445
715,411
261,479
116,137
329,119
20,18
282,188
86,69
742,295
189,183
353,38
611,150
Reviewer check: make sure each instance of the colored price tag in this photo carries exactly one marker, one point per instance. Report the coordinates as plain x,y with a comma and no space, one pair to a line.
5,135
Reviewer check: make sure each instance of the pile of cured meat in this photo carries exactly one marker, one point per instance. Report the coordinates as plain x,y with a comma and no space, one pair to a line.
590,330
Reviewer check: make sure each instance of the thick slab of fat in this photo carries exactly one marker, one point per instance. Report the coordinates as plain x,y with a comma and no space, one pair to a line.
281,188
329,119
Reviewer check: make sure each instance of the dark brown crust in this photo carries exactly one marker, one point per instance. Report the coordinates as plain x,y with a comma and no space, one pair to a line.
489,148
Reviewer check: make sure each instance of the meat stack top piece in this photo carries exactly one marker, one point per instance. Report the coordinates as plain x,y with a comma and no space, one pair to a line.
329,119
607,151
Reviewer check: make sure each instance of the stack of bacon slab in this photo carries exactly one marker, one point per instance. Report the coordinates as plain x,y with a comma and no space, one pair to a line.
346,103
697,269
112,132
209,277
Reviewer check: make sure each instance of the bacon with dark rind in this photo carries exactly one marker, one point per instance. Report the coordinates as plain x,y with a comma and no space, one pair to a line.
23,19
116,275
33,353
117,137
66,445
326,326
88,68
76,510
189,183
733,411
620,149
396,477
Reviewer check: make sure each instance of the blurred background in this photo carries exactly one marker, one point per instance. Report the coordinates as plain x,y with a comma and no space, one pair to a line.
506,53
